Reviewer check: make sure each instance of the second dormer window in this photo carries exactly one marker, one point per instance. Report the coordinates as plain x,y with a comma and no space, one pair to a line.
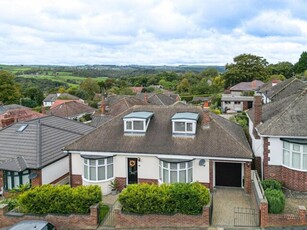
137,122
184,123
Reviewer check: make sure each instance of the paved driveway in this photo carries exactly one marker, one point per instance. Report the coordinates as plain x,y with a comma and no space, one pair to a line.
224,202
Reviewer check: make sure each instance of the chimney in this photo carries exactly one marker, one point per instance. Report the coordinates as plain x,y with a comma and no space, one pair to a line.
257,112
205,123
7,120
43,109
274,82
103,105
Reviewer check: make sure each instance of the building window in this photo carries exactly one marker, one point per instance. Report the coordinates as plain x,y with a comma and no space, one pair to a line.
237,102
184,127
98,170
295,155
175,172
227,102
14,179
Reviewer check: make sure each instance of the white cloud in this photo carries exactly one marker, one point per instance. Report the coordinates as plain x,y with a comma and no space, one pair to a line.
150,32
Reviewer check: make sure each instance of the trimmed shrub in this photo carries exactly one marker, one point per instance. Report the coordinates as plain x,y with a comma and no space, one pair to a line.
165,199
271,184
276,200
59,199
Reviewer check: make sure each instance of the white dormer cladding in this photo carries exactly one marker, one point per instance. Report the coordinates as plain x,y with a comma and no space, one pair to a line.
184,123
137,122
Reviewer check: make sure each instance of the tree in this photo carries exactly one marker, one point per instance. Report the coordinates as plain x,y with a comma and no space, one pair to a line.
183,86
282,68
91,87
9,90
36,95
246,67
209,72
301,65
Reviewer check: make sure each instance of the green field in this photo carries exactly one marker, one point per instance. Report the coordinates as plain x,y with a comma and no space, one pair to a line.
63,76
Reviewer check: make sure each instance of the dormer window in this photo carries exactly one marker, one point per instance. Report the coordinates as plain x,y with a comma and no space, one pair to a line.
184,123
137,122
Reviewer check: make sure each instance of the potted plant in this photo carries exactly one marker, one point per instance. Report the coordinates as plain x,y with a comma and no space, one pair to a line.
114,186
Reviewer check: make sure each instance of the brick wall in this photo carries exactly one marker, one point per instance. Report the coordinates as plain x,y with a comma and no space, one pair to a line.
247,177
38,180
257,165
292,179
211,175
75,180
288,219
73,221
121,183
161,221
245,105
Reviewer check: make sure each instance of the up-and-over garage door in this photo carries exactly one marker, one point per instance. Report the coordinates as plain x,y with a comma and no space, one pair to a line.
228,174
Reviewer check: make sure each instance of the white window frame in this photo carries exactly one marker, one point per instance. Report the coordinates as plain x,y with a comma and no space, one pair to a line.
186,125
291,150
145,125
87,166
178,170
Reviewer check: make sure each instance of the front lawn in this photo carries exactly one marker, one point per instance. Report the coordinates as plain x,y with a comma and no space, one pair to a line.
103,211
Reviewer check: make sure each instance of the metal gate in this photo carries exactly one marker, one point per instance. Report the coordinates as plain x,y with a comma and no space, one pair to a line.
246,217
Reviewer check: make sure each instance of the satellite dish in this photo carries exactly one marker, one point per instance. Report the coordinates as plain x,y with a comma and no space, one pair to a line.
202,162
32,176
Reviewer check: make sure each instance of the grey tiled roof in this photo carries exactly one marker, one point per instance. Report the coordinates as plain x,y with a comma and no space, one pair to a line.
222,139
284,117
285,89
40,143
247,86
99,120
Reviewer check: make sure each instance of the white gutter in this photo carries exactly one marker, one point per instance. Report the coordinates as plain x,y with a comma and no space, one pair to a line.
159,156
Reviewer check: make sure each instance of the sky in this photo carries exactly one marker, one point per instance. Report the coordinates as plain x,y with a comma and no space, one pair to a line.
150,32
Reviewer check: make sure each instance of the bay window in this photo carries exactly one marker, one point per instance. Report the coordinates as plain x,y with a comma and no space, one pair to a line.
295,155
14,179
98,169
170,172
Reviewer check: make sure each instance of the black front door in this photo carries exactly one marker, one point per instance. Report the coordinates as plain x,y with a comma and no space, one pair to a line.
132,170
228,174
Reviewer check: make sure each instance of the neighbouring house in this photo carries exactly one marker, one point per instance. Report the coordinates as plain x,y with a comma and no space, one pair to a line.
279,139
31,151
13,113
136,89
282,89
206,101
71,110
247,87
162,144
240,97
51,98
234,103
264,89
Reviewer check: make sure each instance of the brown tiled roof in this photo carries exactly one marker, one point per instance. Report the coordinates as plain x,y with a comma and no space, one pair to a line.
70,109
222,139
284,117
247,86
59,102
123,104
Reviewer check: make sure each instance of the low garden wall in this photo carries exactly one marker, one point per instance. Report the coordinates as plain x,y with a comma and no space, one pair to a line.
288,219
72,221
123,220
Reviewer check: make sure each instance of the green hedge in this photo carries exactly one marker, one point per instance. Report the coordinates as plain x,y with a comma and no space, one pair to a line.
165,199
271,184
59,199
276,200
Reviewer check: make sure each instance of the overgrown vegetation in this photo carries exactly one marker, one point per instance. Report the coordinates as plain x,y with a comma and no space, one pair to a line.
59,199
165,199
275,196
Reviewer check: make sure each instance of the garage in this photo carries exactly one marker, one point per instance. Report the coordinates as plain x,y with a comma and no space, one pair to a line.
228,174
